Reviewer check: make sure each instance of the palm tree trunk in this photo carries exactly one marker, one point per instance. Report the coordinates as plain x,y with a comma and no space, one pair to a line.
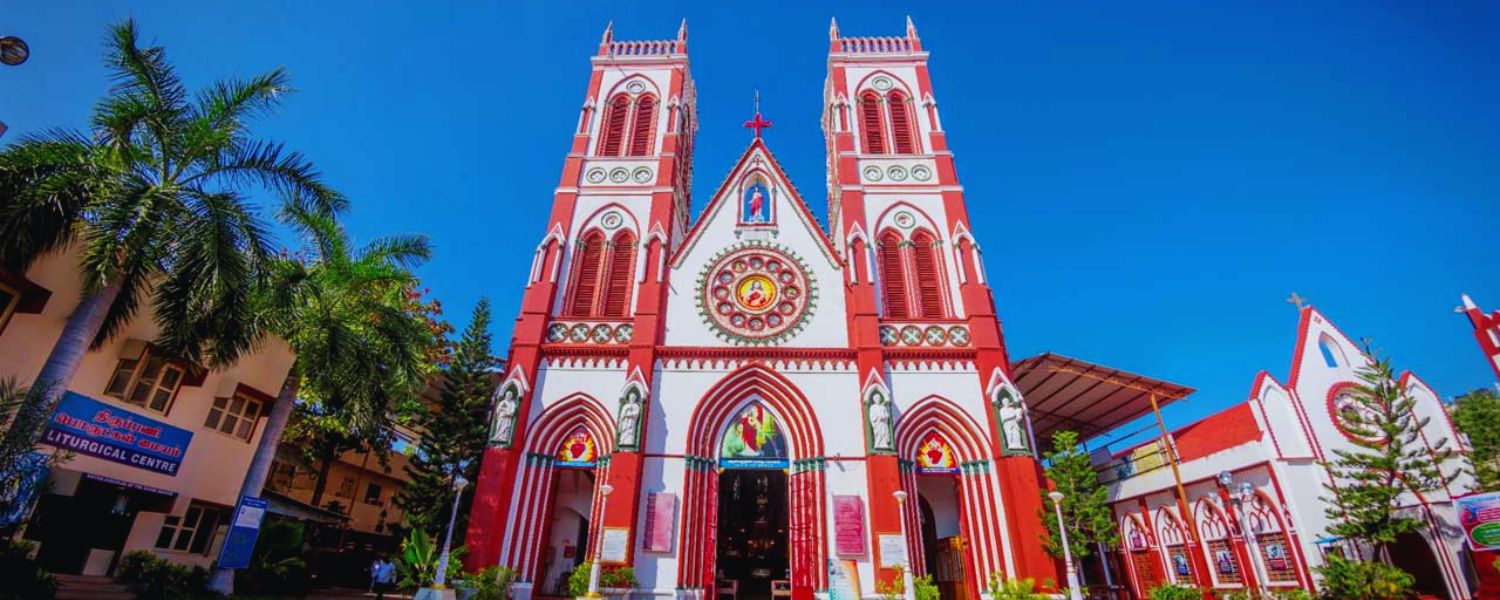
222,580
79,332
322,483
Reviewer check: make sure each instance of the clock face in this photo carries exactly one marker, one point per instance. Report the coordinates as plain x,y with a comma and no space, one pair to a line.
755,293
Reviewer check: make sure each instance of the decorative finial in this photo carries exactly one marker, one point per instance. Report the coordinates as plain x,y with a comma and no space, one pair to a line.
609,32
682,31
757,123
1297,300
833,28
911,28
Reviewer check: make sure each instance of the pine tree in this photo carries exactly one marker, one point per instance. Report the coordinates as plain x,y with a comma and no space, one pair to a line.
1387,461
453,431
1085,504
1477,416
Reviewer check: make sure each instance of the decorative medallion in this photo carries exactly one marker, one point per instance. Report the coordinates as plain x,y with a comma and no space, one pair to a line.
619,175
911,335
935,336
881,83
579,333
1352,414
896,173
889,336
756,293
624,333
905,220
642,175
635,87
602,334
921,173
873,173
958,335
557,332
596,176
578,450
611,220
935,457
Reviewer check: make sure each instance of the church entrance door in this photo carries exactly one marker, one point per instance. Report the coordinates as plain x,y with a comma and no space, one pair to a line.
753,555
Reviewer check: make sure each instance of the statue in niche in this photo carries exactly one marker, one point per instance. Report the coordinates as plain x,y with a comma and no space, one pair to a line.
505,417
1012,414
879,414
755,212
630,419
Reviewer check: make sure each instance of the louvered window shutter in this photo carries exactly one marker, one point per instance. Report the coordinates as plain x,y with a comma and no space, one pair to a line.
644,128
620,283
901,125
614,126
929,276
870,126
892,277
586,275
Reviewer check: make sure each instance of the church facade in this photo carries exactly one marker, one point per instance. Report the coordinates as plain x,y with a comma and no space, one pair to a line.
743,400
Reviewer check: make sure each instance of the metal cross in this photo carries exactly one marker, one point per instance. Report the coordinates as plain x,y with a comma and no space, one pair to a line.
1298,300
757,123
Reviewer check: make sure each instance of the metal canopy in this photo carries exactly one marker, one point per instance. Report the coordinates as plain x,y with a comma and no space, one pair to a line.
1067,393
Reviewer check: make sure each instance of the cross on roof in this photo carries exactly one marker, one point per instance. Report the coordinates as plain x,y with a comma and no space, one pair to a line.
758,123
1298,300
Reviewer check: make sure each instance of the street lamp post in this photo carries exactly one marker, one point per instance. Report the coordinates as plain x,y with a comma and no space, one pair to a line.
1074,593
604,491
1242,495
907,582
459,483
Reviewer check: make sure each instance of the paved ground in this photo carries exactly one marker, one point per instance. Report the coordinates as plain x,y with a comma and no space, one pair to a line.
345,594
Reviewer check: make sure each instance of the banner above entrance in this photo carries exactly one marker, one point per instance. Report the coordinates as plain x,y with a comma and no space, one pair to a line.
578,450
753,441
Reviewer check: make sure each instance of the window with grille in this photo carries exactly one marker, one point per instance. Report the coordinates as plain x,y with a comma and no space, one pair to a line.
586,272
150,382
372,494
1226,566
612,131
234,416
1180,565
928,275
618,285
1277,556
191,532
871,127
643,126
346,488
892,275
902,138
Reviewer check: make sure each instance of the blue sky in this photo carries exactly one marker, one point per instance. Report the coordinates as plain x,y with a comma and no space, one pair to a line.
1149,180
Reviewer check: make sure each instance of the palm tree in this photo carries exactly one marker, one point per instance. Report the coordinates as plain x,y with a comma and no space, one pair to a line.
156,197
361,344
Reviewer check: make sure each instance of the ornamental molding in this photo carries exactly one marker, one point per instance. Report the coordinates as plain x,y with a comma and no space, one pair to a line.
756,293
897,171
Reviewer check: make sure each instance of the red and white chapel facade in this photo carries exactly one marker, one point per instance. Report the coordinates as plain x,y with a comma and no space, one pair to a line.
658,352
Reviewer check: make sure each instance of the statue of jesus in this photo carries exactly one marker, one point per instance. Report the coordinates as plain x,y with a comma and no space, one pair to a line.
757,202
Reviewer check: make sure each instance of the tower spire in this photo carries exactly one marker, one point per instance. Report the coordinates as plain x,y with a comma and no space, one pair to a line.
911,28
833,28
682,31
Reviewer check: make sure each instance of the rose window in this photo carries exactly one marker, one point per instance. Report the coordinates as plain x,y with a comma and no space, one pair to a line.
756,294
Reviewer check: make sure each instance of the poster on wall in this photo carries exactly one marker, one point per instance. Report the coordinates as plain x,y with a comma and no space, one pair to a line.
848,525
892,550
577,450
935,457
613,546
87,426
1479,515
753,441
843,580
661,513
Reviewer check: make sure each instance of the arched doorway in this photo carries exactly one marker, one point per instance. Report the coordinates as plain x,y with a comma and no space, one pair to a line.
557,498
945,466
753,390
752,555
1413,553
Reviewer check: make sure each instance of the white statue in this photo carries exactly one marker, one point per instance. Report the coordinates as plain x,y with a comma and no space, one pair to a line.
630,418
505,417
880,422
1013,422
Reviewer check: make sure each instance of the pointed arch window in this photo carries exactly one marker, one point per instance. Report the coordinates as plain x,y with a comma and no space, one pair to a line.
893,275
586,269
872,125
613,129
618,280
902,139
927,274
643,126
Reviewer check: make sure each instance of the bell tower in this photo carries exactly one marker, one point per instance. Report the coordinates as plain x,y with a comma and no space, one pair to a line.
598,279
915,283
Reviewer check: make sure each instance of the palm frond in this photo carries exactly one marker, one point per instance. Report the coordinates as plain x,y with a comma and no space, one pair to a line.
269,165
407,251
47,182
225,105
143,71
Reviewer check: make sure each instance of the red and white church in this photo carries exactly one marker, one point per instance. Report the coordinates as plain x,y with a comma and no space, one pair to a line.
755,391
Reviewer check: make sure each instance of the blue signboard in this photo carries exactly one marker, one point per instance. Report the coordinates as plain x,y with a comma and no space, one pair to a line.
87,426
239,543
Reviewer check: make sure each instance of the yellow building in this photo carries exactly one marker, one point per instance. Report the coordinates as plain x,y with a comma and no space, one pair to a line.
160,446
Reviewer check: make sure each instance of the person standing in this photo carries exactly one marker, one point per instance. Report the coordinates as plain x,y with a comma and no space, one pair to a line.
382,576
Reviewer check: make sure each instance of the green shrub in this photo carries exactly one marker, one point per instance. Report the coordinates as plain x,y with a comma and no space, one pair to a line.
896,587
1345,579
155,578
417,565
491,584
1175,592
609,577
22,578
1014,589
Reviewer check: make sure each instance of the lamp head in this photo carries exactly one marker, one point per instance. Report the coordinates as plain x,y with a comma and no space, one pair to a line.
606,489
1055,495
1226,478
460,483
1247,490
13,51
900,495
